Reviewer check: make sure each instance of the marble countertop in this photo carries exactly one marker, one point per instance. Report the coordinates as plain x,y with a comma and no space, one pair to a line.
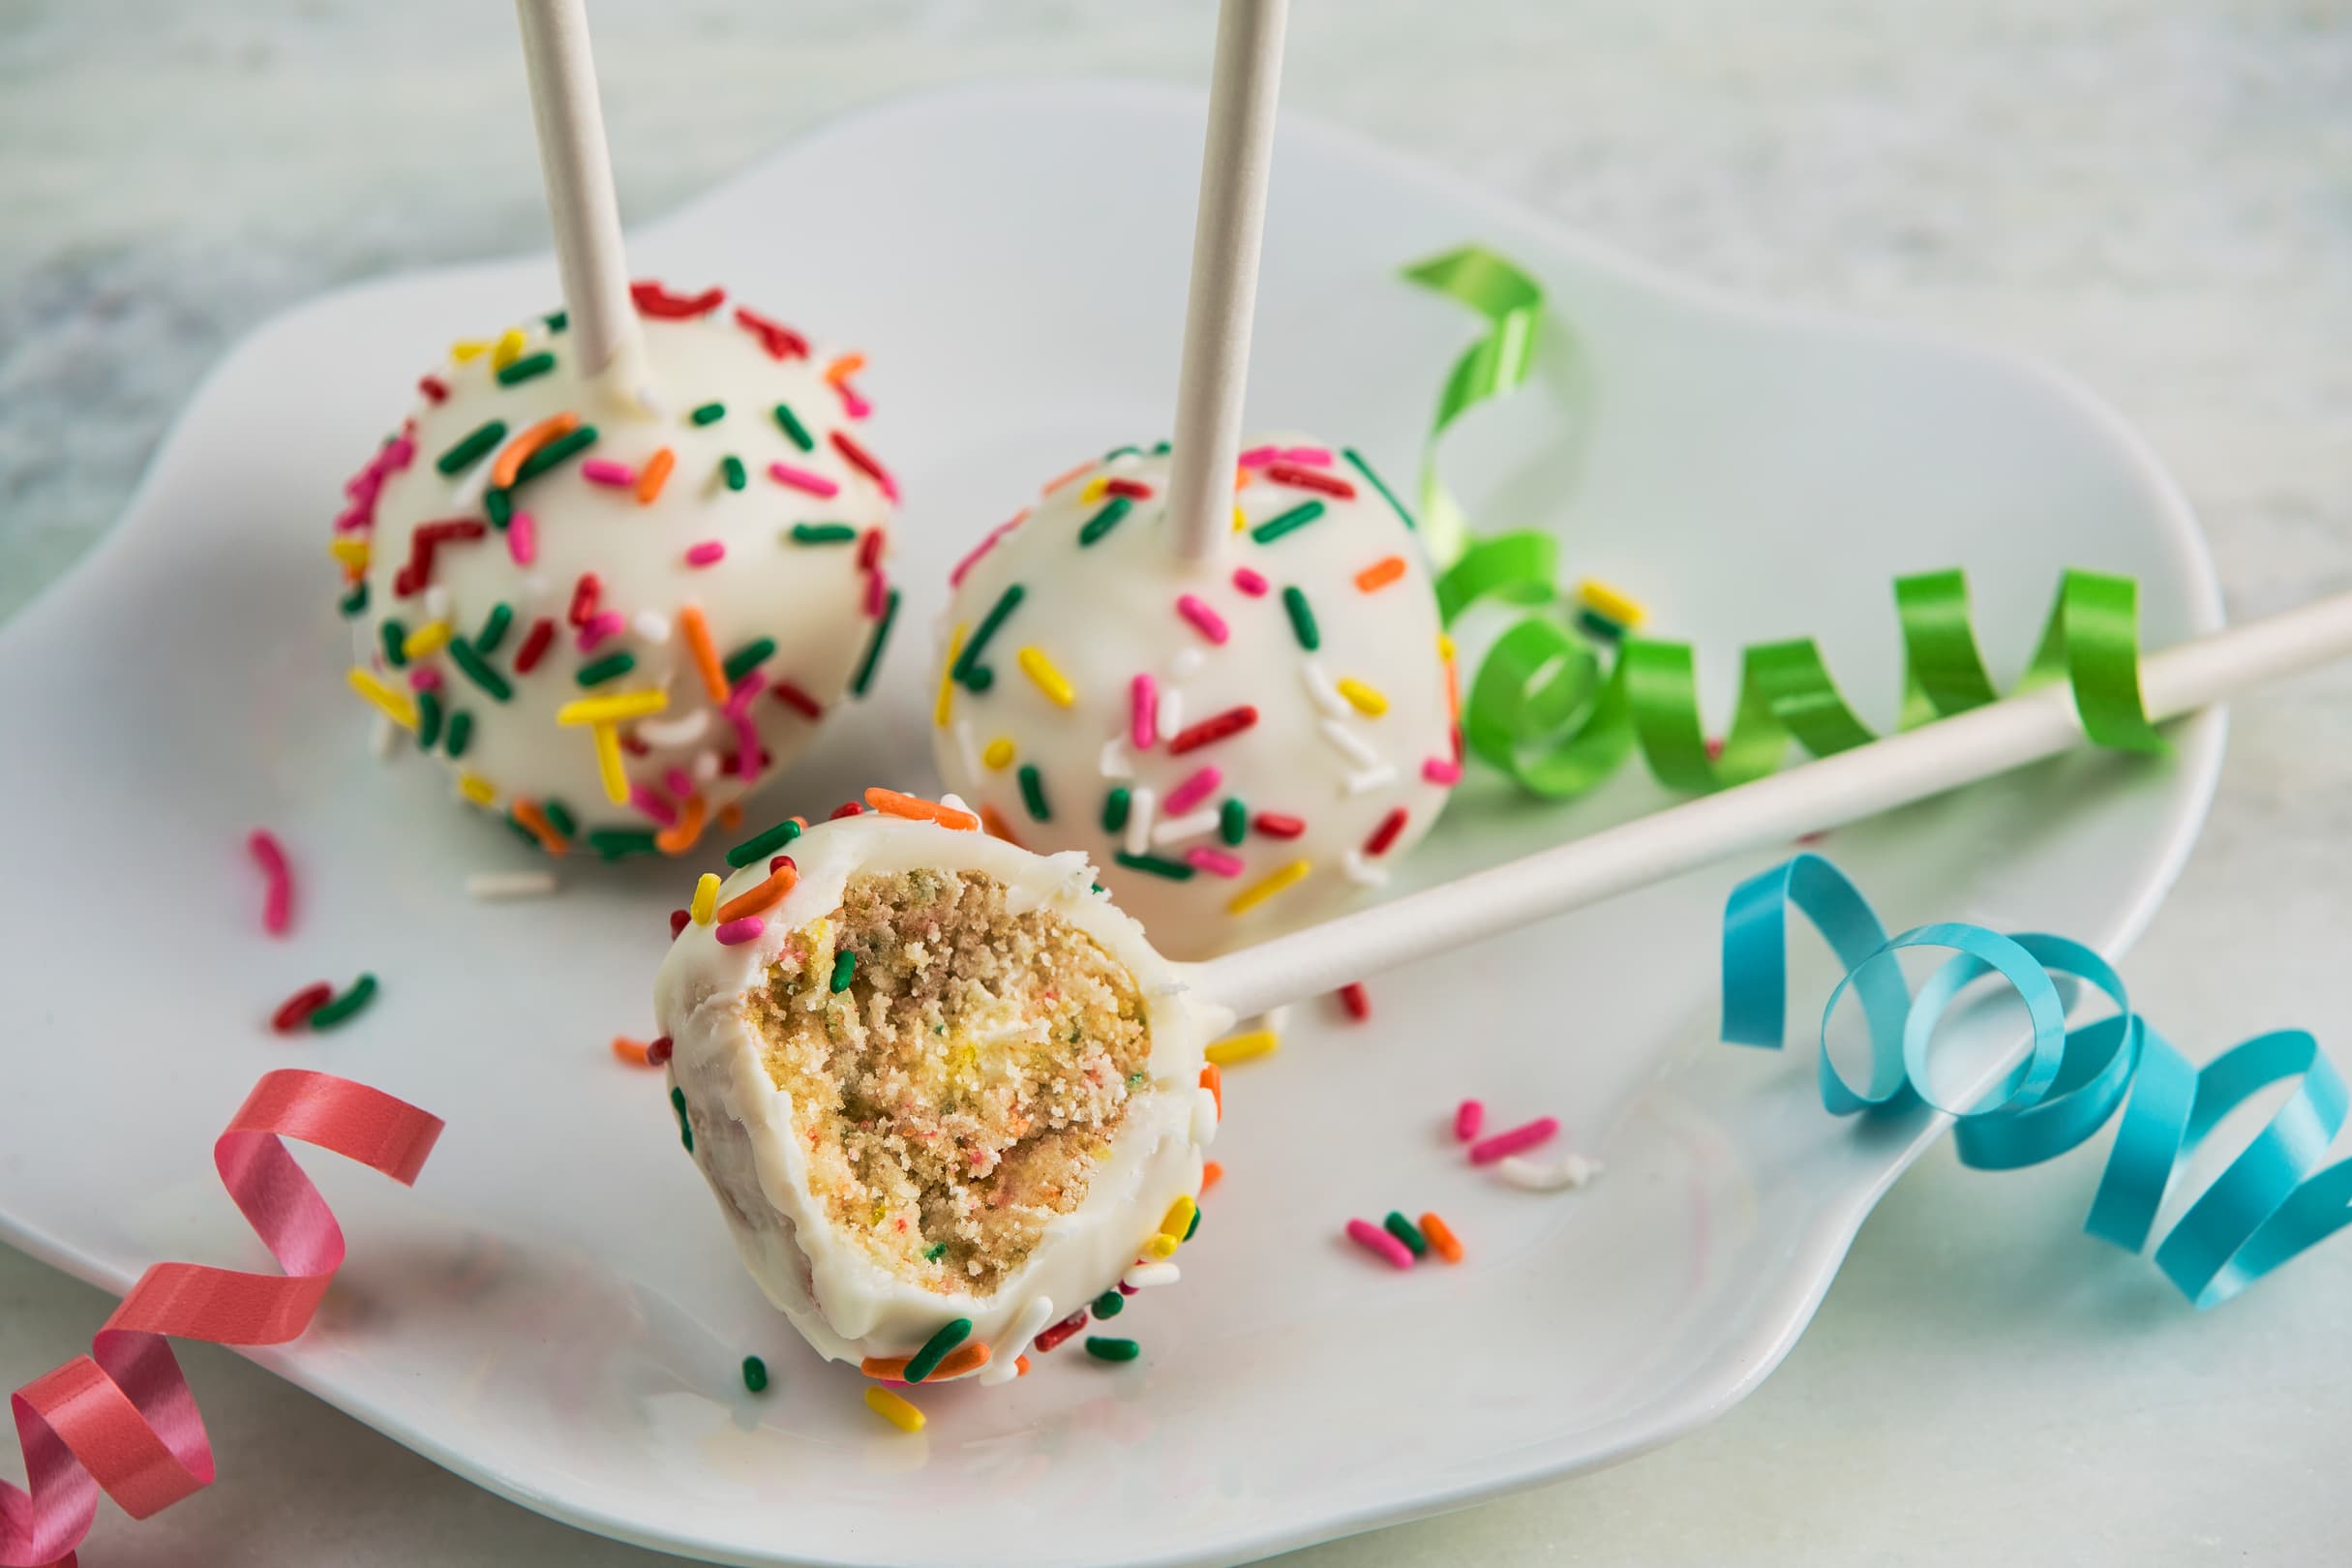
2153,194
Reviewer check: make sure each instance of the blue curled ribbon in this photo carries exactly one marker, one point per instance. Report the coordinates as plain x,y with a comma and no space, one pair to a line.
2266,1207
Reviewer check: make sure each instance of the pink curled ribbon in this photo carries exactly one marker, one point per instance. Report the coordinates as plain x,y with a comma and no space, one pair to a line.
122,1418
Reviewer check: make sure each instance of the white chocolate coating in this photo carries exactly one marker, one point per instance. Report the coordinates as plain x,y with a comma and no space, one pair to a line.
840,1300
818,602
1105,611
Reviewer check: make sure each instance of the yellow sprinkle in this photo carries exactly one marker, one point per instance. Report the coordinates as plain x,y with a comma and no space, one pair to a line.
1445,646
1240,522
614,709
465,349
1051,681
998,754
1257,893
1160,1247
706,898
507,349
396,704
893,1410
1178,1218
1626,611
1368,701
351,549
477,788
1095,489
426,640
1240,1048
942,711
608,763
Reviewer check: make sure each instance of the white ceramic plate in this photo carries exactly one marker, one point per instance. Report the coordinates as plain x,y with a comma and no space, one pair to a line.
556,1312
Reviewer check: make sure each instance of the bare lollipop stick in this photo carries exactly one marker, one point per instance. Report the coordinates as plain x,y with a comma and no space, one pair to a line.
1839,789
1223,297
578,170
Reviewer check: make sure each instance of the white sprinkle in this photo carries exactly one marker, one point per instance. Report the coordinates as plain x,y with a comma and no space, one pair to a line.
954,803
493,886
1350,744
436,602
1114,762
649,397
1371,779
706,766
966,749
466,492
1276,1018
1362,872
1326,696
1005,1364
384,739
681,731
1171,710
1139,818
1573,1171
1187,663
1176,830
1204,1117
1144,1276
651,627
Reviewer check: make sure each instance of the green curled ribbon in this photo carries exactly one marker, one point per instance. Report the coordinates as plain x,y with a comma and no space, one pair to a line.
1513,305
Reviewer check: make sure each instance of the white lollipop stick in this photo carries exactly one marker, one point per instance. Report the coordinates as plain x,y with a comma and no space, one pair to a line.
1838,788
1223,296
578,170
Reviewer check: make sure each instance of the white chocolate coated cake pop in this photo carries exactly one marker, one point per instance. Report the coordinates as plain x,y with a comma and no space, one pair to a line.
945,1093
611,616
1244,746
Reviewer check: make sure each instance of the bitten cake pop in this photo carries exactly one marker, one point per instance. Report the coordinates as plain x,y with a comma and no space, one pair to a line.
1242,747
609,621
945,1093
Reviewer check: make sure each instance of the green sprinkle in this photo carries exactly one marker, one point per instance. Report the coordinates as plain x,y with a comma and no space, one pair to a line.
1302,619
1232,820
845,968
356,602
499,503
1290,522
620,843
396,638
1108,518
611,667
343,1006
474,448
1102,1349
460,732
559,817
1116,803
1405,1230
925,1361
493,627
561,449
760,845
1118,452
1387,494
521,832
428,720
935,1252
557,320
1110,1303
822,533
749,657
524,369
967,663
1163,448
710,413
1033,794
1173,870
1194,1223
731,469
794,429
873,651
755,1375
478,670
686,1127
1595,624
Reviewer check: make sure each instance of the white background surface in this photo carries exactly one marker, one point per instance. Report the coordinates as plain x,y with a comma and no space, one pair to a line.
2156,195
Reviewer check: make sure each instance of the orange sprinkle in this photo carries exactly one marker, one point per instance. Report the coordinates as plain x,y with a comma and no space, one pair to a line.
631,1051
1053,485
1210,1173
680,836
730,816
914,809
697,632
842,369
510,461
1243,478
994,822
762,898
1020,1366
534,821
654,475
970,1358
1213,1079
1441,1236
1380,573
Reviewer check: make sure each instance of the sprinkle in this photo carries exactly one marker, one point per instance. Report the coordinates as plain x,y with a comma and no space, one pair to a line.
1062,478
1108,1305
556,451
1379,777
682,836
995,825
1380,574
798,701
428,714
1178,1220
1139,824
1572,1171
893,1410
771,892
1102,1349
748,658
277,897
508,468
1354,1001
490,886
845,969
732,472
1304,478
1050,681
434,389
394,635
967,1359
395,705
609,767
972,557
1212,624
794,431
295,1011
1115,805
1033,794
1621,608
1171,710
755,1375
1143,711
1144,1276
1356,461
1373,1238
967,666
601,625
706,898
658,1050
534,644
611,667
534,822
351,551
1101,523
1153,865
631,1051
1442,770
1241,1048
873,650
1176,830
1398,1226
1273,824
1350,744
494,628
508,348
943,707
815,484
478,669
780,341
685,1124
863,462
1469,1117
1320,690
606,471
475,446
1217,727
345,1007
811,534
1385,835
760,845
356,602
651,299
1518,1140
1302,619
1210,1173
426,640
1369,700
651,627
1196,787
1290,522
1257,893
522,370
697,631
1217,862
477,788
735,933
654,475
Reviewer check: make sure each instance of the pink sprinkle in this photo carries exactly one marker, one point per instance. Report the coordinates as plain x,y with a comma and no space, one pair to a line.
605,472
646,799
1191,792
1442,770
1217,862
747,756
1469,1117
601,627
1143,710
735,933
816,484
1257,457
1518,1140
1212,624
523,538
955,578
1248,582
877,594
424,677
277,897
855,407
1371,1237
1316,456
678,783
709,553
738,700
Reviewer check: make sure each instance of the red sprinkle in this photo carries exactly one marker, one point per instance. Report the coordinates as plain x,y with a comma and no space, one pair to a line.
869,549
780,341
678,921
863,462
434,389
1061,1331
1132,488
1273,824
1386,833
527,657
847,808
295,1009
1298,478
585,595
1232,721
657,1051
1518,1140
801,702
1353,999
653,299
